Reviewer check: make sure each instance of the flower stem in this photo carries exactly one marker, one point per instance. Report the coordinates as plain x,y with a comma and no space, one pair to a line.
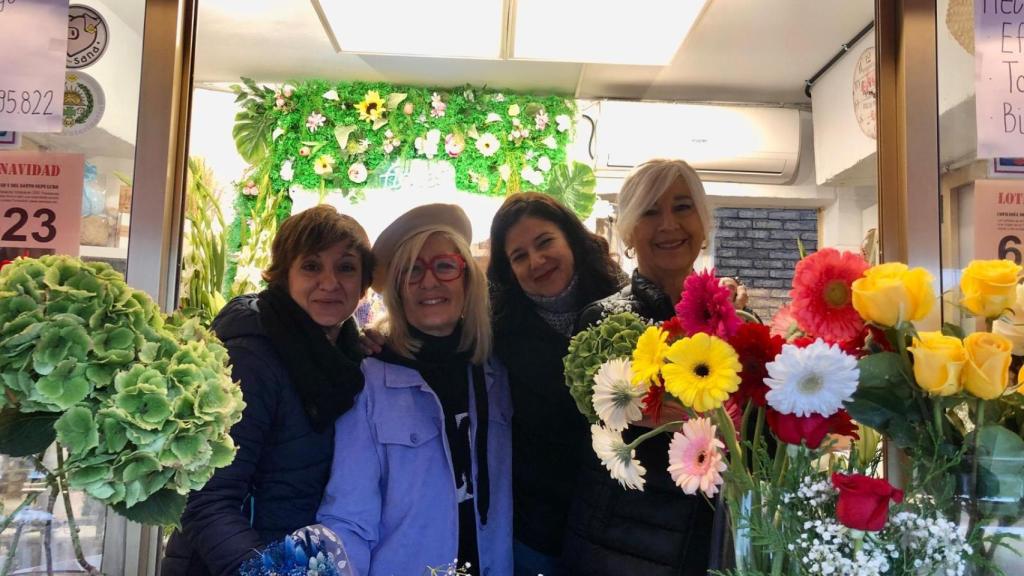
29,499
9,560
72,526
648,435
938,414
758,431
48,538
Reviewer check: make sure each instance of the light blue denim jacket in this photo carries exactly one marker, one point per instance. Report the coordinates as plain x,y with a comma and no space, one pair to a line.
391,497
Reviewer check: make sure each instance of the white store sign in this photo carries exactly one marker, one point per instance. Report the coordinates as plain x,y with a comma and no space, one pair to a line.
999,77
33,51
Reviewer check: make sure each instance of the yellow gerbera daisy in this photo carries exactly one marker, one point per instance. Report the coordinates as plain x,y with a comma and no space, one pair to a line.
649,355
702,372
372,107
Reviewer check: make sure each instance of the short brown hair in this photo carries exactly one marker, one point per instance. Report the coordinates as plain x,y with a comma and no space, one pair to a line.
312,231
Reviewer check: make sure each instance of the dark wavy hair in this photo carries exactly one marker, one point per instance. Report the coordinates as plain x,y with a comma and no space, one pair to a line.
600,276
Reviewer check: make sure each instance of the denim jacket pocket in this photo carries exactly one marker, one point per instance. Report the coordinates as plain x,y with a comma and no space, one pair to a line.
411,430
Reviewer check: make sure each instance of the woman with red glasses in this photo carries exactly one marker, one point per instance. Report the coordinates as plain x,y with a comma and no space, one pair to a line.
422,470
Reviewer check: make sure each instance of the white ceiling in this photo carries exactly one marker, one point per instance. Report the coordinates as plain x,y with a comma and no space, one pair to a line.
739,50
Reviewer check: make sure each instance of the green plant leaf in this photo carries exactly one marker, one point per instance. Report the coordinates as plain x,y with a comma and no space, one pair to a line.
252,133
76,429
164,508
394,99
341,134
884,400
573,187
949,329
26,434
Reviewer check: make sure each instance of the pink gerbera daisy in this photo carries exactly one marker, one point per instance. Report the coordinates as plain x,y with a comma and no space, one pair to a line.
822,297
695,458
706,306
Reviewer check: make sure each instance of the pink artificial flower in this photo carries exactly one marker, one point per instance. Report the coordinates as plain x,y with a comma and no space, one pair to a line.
454,145
437,106
823,297
706,306
695,458
540,121
315,120
783,323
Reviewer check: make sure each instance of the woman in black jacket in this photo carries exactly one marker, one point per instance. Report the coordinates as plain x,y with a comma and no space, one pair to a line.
294,349
544,267
664,221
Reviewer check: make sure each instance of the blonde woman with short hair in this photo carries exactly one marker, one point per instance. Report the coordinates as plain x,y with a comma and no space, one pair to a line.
423,473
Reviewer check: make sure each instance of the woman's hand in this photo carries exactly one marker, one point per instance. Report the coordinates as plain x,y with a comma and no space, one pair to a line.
371,342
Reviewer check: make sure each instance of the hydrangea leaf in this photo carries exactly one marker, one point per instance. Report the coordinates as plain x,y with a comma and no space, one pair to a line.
26,434
76,430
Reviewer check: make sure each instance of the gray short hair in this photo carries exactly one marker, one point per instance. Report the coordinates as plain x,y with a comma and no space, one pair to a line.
645,185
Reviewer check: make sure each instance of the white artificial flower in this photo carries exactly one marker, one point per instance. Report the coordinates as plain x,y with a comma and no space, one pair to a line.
544,164
288,90
488,144
278,132
287,173
331,95
563,122
427,145
357,173
492,117
812,380
505,171
498,97
550,142
532,176
616,400
513,110
617,457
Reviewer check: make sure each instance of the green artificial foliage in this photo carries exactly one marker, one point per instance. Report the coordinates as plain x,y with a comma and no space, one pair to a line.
139,404
613,337
344,136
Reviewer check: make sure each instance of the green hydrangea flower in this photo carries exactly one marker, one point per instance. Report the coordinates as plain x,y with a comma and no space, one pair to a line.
613,337
144,401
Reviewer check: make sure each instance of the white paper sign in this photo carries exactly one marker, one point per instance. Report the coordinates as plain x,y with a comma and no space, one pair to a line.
33,51
41,202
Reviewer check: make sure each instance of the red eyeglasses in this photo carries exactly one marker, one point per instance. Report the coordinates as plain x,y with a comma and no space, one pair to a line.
444,267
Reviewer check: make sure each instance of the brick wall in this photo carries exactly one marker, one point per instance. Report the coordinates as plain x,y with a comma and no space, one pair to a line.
759,246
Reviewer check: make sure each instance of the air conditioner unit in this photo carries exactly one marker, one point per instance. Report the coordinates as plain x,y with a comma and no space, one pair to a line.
750,144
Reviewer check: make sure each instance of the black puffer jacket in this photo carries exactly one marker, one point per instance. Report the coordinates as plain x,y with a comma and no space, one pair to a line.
617,532
274,485
550,438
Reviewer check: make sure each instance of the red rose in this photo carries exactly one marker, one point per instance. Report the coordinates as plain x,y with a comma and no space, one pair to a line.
756,347
793,429
864,501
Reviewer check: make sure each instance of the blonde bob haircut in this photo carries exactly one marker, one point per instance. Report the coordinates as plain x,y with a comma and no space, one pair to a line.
645,185
476,315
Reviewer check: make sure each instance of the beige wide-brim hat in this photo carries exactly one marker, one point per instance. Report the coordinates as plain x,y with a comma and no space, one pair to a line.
441,217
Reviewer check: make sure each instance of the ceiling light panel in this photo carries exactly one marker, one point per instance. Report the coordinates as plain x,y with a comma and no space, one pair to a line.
434,28
635,32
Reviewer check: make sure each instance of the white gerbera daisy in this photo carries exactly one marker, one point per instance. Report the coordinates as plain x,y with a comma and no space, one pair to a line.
488,144
616,400
812,380
617,457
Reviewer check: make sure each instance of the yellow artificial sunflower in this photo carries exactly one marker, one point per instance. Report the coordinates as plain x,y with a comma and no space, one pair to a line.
702,371
649,355
372,107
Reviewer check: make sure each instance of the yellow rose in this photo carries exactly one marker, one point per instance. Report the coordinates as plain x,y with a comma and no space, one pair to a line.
938,362
891,293
1013,326
987,371
989,287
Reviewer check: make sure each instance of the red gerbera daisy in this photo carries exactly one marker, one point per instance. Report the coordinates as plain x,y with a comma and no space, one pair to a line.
706,306
756,347
822,295
674,327
652,403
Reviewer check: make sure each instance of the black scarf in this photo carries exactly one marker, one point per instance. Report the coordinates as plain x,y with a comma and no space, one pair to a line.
327,378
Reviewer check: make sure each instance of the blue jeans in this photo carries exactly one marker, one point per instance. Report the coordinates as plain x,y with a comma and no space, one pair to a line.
529,562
